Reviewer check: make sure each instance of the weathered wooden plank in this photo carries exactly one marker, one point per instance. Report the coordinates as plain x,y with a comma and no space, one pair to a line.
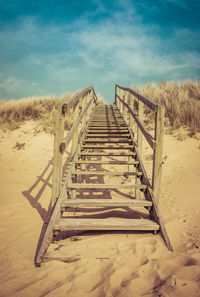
57,155
157,160
112,154
76,97
149,195
107,130
94,146
145,100
148,136
106,186
107,141
107,162
69,136
75,133
106,136
106,224
156,215
48,236
140,127
122,173
105,202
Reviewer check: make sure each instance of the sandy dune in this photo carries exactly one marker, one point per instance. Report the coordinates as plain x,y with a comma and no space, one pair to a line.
96,264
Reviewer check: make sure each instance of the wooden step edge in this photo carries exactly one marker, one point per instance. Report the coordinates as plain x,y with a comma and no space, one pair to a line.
107,162
118,136
79,172
105,186
114,127
106,224
105,202
103,154
107,141
107,147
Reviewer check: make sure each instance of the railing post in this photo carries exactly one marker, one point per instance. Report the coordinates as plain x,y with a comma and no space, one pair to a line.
120,103
58,154
75,136
157,160
130,116
139,133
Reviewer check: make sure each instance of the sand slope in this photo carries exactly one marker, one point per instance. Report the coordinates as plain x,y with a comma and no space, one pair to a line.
96,264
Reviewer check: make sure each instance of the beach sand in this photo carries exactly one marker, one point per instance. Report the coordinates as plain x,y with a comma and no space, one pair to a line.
96,264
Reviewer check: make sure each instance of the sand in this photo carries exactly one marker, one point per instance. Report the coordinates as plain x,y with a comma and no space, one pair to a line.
97,264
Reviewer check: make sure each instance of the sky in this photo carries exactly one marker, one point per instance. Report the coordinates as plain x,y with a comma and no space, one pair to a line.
51,47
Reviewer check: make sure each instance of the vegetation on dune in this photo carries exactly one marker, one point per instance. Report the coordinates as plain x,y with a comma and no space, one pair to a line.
41,109
180,99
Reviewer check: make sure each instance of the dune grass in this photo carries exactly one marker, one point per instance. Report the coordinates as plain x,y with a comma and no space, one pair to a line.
40,109
14,113
180,99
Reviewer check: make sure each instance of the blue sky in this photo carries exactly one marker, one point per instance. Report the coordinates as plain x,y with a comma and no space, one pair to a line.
50,47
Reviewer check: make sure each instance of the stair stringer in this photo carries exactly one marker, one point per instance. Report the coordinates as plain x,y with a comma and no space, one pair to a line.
56,211
149,195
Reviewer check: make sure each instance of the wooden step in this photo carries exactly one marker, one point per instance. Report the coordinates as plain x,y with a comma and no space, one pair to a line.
107,136
106,224
107,141
105,202
106,186
106,119
104,154
108,127
108,162
107,124
108,132
115,173
107,147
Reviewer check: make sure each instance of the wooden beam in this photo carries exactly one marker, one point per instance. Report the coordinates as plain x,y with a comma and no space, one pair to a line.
123,173
96,146
57,155
157,160
113,154
48,235
107,162
106,224
148,136
145,100
105,202
69,136
149,195
106,186
140,128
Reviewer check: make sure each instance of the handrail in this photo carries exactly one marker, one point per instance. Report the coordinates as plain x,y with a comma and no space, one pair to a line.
76,97
69,136
148,136
82,103
156,142
146,101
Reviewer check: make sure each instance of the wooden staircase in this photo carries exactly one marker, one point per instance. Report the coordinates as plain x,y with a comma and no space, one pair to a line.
106,138
106,187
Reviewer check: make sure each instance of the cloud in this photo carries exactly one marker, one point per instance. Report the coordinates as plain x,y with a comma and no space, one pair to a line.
55,58
10,84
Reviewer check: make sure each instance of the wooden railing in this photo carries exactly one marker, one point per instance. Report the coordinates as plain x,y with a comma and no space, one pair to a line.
81,105
125,100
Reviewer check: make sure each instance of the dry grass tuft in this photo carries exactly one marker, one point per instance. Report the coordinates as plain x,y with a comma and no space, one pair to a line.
180,99
40,109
